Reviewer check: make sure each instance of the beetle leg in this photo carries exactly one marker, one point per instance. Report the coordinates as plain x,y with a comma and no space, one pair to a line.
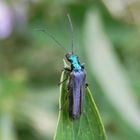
86,85
83,65
67,75
67,69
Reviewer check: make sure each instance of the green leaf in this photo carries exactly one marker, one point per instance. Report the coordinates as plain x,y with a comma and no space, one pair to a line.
88,127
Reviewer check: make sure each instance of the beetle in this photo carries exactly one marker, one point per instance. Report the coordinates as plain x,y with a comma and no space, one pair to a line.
76,79
76,86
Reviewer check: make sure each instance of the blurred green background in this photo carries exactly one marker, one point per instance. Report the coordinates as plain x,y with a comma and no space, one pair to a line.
106,39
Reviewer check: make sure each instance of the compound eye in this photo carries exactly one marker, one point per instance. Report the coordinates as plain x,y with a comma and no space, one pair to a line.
68,56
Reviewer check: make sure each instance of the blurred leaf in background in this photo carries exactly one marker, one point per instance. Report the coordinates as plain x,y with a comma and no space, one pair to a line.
31,63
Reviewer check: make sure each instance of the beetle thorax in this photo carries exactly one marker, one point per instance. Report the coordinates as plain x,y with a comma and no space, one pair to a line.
73,59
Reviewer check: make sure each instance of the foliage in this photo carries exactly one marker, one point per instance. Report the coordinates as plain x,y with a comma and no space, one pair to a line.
88,126
30,63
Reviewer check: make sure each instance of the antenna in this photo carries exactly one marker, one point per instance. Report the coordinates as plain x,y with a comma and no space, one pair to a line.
71,27
51,36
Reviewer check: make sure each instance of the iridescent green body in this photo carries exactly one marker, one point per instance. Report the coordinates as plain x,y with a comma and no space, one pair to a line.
75,64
